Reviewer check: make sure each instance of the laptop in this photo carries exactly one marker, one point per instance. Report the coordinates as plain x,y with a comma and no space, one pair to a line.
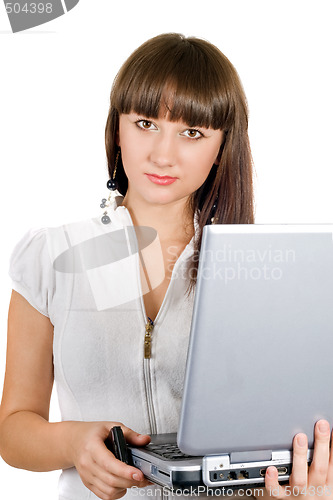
259,365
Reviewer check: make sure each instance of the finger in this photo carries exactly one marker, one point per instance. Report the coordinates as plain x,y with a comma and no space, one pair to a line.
107,461
299,473
133,437
111,480
272,484
321,453
330,466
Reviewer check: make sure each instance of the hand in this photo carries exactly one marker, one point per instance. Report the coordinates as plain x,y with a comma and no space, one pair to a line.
107,477
314,482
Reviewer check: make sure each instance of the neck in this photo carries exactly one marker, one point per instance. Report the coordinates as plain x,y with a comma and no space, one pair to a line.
172,221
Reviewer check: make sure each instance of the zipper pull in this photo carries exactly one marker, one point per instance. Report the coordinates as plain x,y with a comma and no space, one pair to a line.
148,338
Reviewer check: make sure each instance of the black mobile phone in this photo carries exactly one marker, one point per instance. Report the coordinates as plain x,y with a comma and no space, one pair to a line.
116,443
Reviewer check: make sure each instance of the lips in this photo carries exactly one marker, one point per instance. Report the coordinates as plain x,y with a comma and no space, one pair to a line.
162,180
161,176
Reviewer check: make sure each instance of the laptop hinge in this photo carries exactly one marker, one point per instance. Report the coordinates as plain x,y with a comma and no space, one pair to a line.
250,456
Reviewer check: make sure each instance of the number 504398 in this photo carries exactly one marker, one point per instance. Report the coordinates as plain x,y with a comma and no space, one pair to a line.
28,8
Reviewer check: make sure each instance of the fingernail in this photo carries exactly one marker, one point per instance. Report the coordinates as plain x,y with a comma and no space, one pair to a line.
270,472
136,477
323,427
301,440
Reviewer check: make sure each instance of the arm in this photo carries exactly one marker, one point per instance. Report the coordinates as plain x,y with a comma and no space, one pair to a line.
27,439
25,434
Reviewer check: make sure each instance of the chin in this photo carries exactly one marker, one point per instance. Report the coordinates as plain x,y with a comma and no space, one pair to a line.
158,197
160,201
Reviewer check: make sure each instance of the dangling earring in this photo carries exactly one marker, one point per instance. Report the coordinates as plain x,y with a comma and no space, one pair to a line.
112,185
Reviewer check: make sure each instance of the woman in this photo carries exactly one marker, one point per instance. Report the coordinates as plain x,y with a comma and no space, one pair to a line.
103,307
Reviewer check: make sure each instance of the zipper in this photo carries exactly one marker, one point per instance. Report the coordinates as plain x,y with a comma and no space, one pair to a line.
147,376
148,338
149,326
149,396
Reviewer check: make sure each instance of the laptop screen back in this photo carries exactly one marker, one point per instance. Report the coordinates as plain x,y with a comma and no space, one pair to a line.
259,365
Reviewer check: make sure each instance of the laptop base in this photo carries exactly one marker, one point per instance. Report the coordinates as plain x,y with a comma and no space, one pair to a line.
218,470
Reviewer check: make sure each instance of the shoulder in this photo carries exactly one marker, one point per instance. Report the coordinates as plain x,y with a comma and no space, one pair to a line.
41,252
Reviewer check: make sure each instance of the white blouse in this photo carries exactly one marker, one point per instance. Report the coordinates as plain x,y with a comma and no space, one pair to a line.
85,277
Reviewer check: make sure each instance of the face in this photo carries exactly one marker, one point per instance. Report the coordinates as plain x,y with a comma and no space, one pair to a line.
165,161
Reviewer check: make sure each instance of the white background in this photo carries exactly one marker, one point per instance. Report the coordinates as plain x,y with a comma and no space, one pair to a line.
54,91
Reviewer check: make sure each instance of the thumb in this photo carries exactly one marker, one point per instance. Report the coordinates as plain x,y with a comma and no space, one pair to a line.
135,438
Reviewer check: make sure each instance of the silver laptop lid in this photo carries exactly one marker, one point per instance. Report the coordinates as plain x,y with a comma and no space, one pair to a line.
259,365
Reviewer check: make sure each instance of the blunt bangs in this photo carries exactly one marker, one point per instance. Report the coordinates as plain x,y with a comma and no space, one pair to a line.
182,80
189,80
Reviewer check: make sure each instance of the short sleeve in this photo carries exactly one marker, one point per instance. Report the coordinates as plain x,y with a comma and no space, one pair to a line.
31,270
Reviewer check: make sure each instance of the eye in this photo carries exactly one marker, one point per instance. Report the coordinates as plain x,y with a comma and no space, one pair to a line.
145,124
193,133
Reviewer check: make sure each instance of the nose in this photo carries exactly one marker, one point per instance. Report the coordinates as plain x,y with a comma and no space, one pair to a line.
163,151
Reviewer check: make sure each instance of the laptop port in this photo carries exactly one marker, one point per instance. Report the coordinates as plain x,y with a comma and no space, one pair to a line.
243,474
281,471
221,475
232,475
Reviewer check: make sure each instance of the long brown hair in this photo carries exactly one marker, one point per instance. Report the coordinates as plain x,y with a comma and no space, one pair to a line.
195,83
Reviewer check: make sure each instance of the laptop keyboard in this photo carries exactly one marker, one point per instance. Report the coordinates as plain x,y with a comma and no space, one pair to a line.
168,451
